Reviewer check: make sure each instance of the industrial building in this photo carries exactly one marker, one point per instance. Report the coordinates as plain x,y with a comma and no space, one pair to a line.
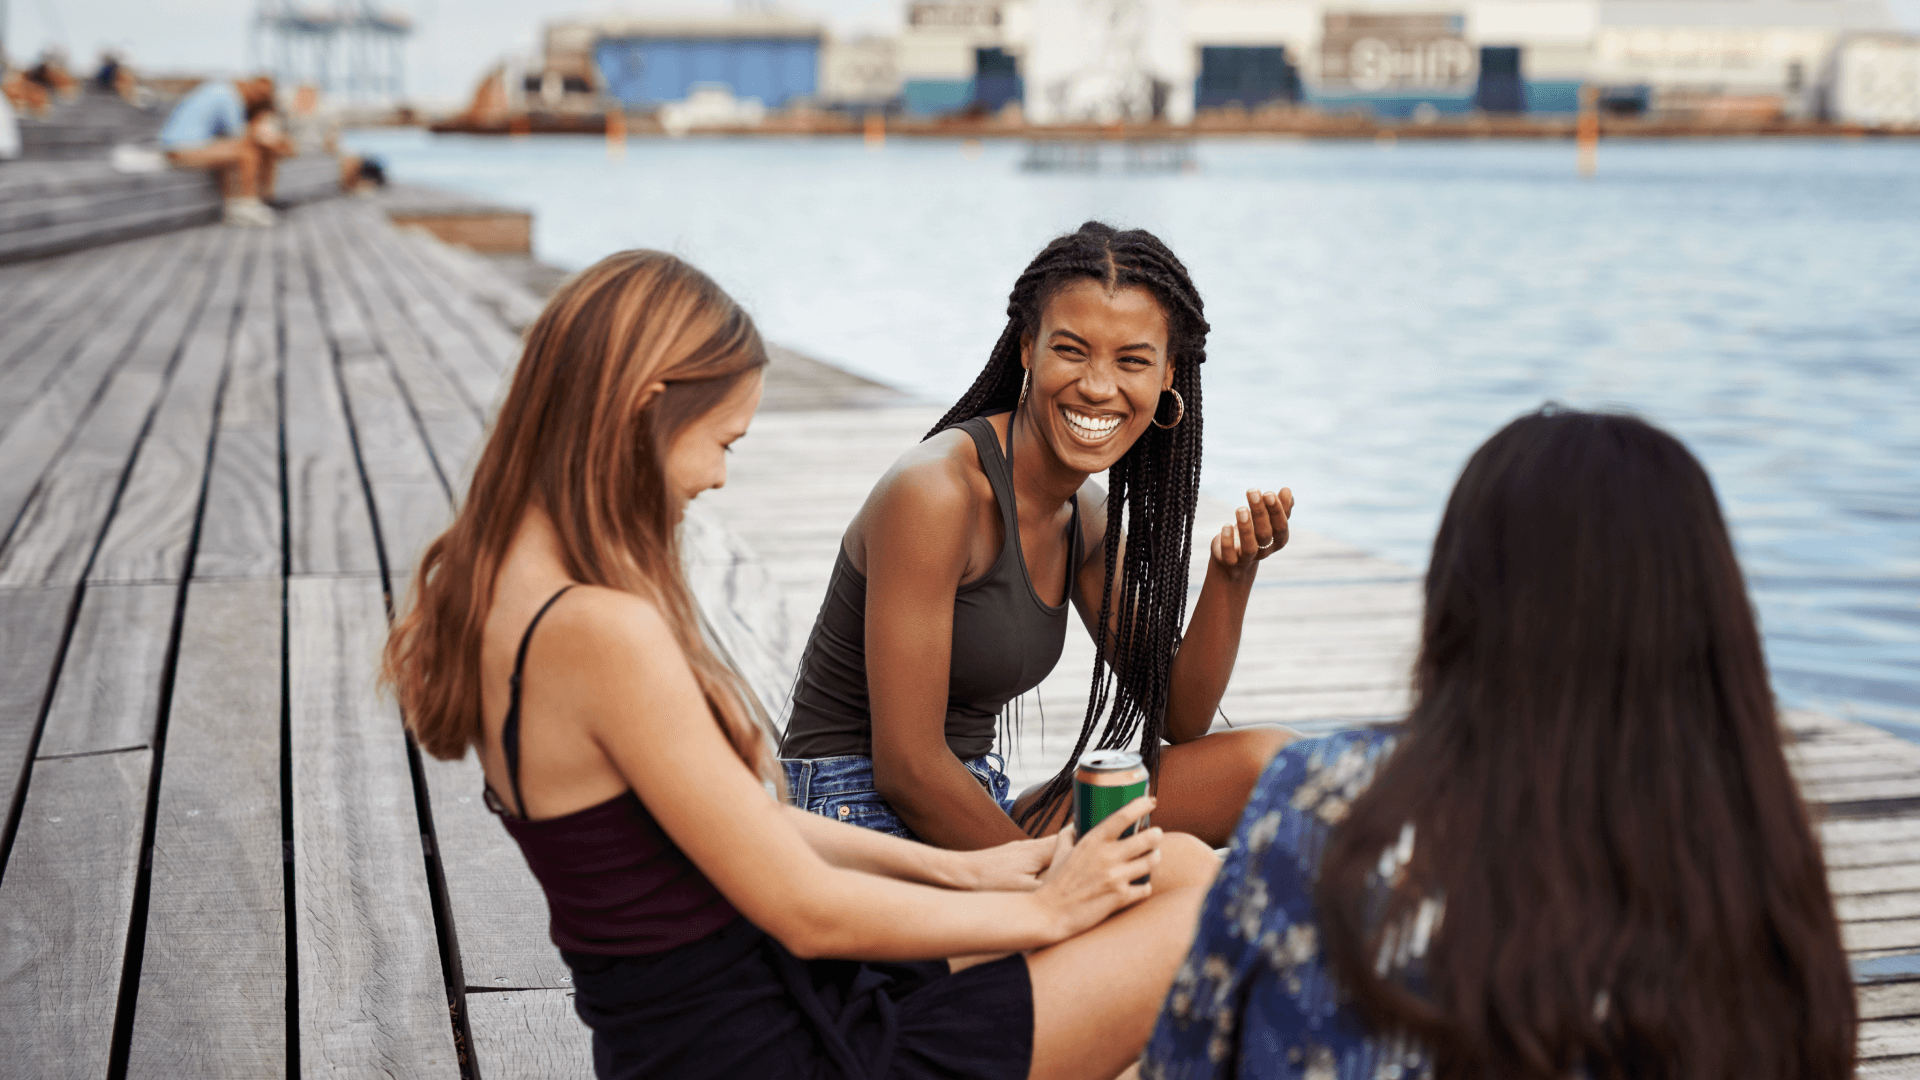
645,62
1108,61
1102,60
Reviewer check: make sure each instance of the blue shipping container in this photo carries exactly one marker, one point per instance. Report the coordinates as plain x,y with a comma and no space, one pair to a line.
653,71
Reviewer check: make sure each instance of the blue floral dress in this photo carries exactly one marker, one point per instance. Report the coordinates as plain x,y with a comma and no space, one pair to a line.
1255,998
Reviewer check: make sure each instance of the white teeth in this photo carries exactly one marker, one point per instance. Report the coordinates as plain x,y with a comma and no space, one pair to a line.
1090,427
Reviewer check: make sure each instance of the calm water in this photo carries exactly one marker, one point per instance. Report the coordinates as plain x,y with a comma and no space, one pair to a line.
1378,313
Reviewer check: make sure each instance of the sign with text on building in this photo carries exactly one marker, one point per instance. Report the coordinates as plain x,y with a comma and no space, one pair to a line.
953,14
1377,52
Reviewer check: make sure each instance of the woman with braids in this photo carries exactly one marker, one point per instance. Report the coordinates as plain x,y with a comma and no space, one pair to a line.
695,909
1581,858
949,597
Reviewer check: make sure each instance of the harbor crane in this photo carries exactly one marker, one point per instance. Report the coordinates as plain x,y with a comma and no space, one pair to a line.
351,48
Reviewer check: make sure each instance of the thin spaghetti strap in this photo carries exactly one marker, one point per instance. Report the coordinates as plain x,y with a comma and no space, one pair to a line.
510,729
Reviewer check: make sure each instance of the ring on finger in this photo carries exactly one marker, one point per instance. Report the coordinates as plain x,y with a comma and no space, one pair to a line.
1268,544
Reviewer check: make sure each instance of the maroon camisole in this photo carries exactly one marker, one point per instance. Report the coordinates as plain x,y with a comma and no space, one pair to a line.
615,883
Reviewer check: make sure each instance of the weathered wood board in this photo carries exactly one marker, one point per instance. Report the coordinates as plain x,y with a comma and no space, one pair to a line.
529,1035
64,909
372,996
213,980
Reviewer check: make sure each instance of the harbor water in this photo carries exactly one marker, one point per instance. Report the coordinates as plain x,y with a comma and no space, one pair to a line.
1377,312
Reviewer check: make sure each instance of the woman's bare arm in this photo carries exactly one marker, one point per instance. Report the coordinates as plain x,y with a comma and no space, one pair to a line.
618,671
1014,866
1211,644
916,528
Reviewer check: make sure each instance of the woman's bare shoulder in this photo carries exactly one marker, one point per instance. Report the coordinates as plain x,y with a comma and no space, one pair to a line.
937,478
594,627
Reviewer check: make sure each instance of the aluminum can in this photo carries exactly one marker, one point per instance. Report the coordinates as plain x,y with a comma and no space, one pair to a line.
1105,781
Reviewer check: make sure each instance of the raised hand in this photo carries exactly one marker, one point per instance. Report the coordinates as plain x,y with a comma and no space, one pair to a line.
1258,530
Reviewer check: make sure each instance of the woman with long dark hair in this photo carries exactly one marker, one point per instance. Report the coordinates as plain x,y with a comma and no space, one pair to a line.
551,629
1582,855
950,594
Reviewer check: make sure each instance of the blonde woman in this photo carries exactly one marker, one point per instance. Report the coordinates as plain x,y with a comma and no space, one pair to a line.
714,931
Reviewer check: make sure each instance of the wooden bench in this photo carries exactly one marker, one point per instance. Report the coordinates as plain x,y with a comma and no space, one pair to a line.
220,453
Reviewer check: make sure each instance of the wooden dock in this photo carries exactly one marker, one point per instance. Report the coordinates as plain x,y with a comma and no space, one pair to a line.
221,450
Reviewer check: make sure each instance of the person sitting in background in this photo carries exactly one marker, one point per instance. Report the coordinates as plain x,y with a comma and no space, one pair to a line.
115,77
311,129
33,89
227,128
1582,856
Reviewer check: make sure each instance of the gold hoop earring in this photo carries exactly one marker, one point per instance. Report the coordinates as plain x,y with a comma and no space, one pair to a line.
1025,382
1180,405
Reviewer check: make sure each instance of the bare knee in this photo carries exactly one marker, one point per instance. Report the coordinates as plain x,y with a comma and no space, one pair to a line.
1258,745
1186,862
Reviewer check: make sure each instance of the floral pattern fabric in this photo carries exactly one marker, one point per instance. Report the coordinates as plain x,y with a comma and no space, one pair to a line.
1255,998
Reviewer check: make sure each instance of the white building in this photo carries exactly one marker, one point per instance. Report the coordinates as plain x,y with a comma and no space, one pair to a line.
1100,60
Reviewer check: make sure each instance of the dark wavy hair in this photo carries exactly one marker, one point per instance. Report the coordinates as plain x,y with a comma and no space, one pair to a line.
1157,482
1630,883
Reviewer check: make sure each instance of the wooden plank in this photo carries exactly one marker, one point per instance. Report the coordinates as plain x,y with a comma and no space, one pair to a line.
55,294
1875,879
410,500
1886,1000
1896,1068
153,522
491,340
1870,907
448,390
330,526
1889,1038
1883,935
109,692
516,306
33,626
529,1035
499,912
1858,856
467,337
213,981
372,997
240,528
87,441
74,354
64,908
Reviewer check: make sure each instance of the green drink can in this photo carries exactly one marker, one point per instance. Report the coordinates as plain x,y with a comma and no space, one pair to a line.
1105,781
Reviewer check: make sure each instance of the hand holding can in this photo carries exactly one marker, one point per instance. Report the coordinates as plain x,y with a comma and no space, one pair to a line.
1105,781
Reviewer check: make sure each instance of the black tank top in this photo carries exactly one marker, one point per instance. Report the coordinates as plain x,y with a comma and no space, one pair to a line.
1005,639
616,884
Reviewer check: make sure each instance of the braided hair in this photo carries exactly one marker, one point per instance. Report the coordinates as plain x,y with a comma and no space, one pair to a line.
1157,482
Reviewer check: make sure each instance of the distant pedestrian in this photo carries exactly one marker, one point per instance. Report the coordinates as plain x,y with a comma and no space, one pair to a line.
1582,856
228,128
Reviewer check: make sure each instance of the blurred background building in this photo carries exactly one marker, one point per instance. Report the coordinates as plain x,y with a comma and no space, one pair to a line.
1106,61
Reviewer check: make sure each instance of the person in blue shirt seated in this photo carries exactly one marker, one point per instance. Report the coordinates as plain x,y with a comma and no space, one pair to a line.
227,128
1581,857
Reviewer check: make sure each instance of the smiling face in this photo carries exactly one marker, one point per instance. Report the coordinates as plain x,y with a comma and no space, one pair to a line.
1099,364
697,459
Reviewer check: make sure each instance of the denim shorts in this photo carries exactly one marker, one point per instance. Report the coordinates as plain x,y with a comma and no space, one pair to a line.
842,788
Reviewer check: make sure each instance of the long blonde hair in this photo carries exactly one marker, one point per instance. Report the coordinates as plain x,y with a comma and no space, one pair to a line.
574,438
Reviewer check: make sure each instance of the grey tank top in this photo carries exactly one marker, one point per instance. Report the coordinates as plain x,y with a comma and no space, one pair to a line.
1005,640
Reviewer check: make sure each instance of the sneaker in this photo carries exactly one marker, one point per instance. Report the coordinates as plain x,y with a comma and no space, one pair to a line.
248,212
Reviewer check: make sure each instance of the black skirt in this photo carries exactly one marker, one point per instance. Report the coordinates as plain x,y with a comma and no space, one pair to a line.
736,1003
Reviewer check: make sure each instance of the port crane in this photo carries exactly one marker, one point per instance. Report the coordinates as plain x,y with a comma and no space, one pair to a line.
305,43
